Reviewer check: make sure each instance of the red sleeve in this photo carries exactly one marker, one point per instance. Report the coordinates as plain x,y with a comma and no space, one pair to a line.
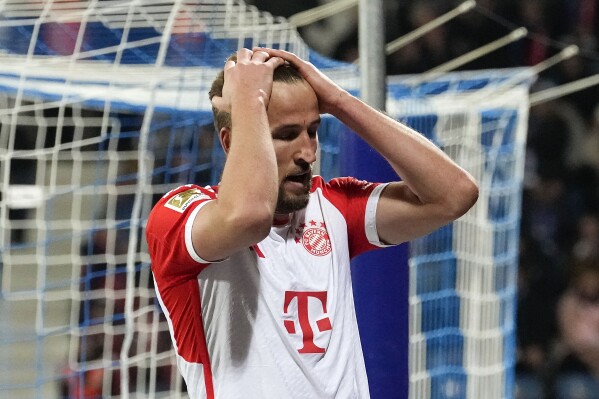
171,255
351,197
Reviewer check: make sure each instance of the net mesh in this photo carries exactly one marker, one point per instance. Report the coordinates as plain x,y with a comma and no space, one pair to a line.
103,108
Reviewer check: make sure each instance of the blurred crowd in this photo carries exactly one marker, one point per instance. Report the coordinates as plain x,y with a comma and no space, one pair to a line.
558,282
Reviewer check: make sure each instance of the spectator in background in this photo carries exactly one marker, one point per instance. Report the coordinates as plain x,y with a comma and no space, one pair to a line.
473,30
587,245
60,33
548,139
557,180
581,18
549,217
537,16
540,283
429,51
577,353
573,69
590,153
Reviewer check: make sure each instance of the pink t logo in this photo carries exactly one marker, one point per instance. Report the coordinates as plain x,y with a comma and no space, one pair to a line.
323,324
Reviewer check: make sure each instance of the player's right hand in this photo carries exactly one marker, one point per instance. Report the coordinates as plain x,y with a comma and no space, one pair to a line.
248,80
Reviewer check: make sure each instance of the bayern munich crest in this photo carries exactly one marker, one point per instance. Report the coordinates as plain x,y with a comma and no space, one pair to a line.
314,237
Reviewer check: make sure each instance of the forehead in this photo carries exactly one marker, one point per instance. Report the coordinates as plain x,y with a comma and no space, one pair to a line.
292,103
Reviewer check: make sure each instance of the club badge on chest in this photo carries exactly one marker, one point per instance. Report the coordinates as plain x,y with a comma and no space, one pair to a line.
313,235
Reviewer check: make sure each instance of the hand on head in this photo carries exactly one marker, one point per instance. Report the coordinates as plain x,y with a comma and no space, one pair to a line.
249,77
327,91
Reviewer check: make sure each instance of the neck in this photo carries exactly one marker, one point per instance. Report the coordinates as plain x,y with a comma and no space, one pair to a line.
281,219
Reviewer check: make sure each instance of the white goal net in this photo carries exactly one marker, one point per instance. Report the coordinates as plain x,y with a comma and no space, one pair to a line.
104,107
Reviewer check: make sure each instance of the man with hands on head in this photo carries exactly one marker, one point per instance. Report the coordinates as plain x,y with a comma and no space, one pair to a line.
253,274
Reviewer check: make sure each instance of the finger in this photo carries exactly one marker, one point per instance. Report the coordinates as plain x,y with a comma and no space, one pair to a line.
286,55
244,54
276,62
229,64
261,56
267,50
219,103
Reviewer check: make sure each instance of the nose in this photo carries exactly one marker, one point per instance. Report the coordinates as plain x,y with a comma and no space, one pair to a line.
306,151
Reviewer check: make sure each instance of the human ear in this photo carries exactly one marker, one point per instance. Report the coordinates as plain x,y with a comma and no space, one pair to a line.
225,138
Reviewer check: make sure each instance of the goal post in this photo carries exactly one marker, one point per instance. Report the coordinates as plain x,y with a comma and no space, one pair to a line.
104,108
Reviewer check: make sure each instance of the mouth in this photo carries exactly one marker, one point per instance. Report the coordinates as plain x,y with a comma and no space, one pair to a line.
294,191
302,179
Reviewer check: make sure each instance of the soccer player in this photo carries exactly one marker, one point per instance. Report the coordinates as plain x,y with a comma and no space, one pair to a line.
254,274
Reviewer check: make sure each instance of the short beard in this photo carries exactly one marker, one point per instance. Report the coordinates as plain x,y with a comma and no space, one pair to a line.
290,203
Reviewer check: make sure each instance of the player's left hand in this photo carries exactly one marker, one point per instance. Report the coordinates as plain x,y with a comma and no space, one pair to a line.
327,91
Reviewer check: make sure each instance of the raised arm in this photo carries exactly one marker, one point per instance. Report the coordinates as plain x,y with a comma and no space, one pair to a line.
434,190
243,212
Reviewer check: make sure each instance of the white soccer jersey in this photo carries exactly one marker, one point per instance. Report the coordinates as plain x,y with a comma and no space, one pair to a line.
276,320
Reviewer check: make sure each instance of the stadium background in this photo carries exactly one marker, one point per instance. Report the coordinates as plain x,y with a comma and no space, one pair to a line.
560,198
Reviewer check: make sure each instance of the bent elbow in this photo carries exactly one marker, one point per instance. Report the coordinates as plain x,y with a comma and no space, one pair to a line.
254,226
471,194
260,228
464,195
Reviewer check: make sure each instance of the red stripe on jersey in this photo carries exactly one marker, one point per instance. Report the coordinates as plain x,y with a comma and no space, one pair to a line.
259,252
184,306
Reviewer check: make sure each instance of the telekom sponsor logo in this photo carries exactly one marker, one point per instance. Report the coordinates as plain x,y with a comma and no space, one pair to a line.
323,324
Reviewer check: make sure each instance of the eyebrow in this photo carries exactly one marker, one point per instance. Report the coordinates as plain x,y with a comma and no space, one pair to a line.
295,126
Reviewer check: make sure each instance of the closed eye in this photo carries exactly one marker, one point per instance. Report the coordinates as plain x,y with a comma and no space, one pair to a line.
287,133
291,132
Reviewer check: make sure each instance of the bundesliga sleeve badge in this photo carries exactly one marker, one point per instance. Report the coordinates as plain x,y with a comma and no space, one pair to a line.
182,200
